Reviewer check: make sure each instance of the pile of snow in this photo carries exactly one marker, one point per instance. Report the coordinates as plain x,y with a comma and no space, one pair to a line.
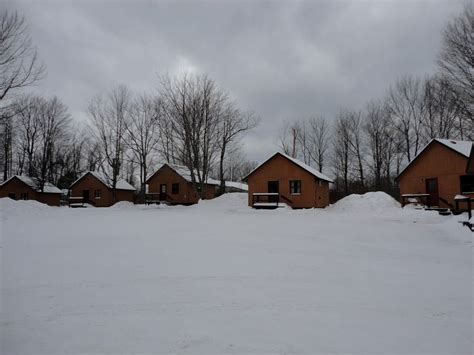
228,201
123,205
373,202
9,207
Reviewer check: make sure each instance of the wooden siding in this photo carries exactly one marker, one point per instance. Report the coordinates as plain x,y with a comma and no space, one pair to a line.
314,192
90,183
17,187
186,196
437,161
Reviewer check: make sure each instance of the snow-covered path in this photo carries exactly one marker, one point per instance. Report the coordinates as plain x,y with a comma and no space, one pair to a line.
221,278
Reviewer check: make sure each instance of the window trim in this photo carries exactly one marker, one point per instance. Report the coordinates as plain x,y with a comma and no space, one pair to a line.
99,195
461,184
295,185
173,191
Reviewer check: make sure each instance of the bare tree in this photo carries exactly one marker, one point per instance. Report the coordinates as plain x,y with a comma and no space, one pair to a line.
342,149
380,139
319,140
232,125
194,105
28,116
19,63
456,62
356,142
6,139
54,121
405,100
288,138
441,115
142,134
109,121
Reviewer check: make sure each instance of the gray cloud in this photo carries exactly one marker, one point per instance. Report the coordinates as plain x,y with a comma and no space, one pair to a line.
282,60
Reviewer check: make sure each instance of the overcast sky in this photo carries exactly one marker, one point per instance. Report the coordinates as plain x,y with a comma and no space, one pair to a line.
279,59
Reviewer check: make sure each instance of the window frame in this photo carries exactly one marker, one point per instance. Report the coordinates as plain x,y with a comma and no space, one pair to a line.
24,196
97,194
295,187
175,188
462,184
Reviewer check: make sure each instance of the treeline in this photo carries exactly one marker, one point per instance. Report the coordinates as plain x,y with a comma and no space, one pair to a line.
190,122
366,149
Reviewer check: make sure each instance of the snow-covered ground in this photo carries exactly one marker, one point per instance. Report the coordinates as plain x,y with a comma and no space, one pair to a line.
362,276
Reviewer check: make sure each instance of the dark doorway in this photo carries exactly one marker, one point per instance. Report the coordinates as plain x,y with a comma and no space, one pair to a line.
12,195
163,192
432,189
85,196
273,187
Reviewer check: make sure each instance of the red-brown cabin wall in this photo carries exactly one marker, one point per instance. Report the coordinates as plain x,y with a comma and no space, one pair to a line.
278,168
437,161
18,187
186,196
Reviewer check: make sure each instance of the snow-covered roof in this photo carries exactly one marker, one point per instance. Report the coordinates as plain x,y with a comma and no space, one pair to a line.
34,184
302,165
120,185
184,172
237,185
461,147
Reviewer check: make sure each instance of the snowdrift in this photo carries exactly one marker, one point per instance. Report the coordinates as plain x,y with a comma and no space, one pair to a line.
373,202
13,208
228,201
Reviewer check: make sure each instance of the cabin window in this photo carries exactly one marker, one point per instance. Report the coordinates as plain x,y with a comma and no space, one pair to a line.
175,189
467,184
98,193
24,196
295,187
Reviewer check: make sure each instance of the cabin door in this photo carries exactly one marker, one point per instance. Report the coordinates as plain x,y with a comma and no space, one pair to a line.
85,196
163,192
432,190
273,187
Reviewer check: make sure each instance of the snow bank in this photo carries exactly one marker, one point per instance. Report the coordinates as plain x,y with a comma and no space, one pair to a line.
9,207
373,202
123,205
228,201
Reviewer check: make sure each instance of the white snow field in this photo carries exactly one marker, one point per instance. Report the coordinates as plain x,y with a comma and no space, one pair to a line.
362,276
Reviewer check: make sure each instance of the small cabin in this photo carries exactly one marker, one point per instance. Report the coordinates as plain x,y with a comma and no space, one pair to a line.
95,188
439,173
20,187
282,180
172,184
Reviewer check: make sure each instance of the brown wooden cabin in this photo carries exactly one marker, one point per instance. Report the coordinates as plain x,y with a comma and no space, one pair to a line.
96,189
172,184
439,171
20,187
283,179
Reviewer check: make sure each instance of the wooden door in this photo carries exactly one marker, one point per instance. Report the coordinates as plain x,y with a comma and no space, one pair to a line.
273,187
163,192
85,196
432,190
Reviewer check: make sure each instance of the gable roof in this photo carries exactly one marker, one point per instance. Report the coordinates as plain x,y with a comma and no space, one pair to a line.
184,172
302,165
34,184
460,147
120,185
